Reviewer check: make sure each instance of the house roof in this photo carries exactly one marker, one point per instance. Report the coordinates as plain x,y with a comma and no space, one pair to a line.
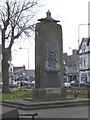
71,60
19,68
87,40
30,73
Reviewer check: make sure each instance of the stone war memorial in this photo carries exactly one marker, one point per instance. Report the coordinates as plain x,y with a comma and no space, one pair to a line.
48,60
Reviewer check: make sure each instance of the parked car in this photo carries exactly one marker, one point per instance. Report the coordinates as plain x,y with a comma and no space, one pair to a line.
33,84
13,84
1,83
88,83
83,84
74,83
27,83
67,84
24,83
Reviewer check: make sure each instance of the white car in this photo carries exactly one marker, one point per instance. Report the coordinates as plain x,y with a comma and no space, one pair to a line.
1,83
67,84
33,84
13,84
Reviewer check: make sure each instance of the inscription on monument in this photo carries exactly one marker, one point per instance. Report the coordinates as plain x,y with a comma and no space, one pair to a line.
53,91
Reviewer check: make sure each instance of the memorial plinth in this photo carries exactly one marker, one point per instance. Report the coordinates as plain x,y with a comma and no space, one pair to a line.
52,79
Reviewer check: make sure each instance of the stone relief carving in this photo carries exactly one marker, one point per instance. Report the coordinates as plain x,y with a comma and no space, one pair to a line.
52,60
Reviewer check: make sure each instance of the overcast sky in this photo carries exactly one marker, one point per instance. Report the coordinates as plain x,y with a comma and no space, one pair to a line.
71,13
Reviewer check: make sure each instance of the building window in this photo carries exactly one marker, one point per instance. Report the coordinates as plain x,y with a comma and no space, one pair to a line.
81,62
83,47
84,78
89,76
84,63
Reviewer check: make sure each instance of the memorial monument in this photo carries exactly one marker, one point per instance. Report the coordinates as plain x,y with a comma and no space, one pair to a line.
48,60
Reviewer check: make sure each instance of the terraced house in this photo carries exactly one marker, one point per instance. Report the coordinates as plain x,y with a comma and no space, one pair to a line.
84,60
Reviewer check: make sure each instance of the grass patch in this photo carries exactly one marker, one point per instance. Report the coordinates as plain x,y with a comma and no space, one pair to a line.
79,93
22,93
16,94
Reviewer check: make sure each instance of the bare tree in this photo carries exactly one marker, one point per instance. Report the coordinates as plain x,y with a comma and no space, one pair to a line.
16,19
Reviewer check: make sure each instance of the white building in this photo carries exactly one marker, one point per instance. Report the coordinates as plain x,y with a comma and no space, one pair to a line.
84,60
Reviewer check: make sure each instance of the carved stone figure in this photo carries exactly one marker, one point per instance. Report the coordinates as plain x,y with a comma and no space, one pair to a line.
52,61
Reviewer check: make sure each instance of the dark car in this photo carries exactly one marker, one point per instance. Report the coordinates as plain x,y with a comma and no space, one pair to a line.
74,83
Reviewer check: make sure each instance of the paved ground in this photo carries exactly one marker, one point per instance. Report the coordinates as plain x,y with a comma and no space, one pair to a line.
60,112
66,112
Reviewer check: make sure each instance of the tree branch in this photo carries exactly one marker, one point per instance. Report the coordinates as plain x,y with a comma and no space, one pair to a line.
6,23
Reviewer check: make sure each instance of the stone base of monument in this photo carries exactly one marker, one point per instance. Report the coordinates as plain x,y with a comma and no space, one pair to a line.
52,79
49,93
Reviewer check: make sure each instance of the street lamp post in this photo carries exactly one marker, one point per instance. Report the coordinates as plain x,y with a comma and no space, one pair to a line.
79,31
28,55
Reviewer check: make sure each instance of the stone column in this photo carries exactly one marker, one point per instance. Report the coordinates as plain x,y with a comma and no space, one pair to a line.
48,59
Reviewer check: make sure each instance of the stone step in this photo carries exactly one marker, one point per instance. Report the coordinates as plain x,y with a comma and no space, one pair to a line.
28,105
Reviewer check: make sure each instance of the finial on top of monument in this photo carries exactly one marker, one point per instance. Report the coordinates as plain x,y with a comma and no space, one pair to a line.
48,14
48,18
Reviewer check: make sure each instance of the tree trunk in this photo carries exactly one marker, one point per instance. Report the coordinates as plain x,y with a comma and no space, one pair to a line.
5,70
